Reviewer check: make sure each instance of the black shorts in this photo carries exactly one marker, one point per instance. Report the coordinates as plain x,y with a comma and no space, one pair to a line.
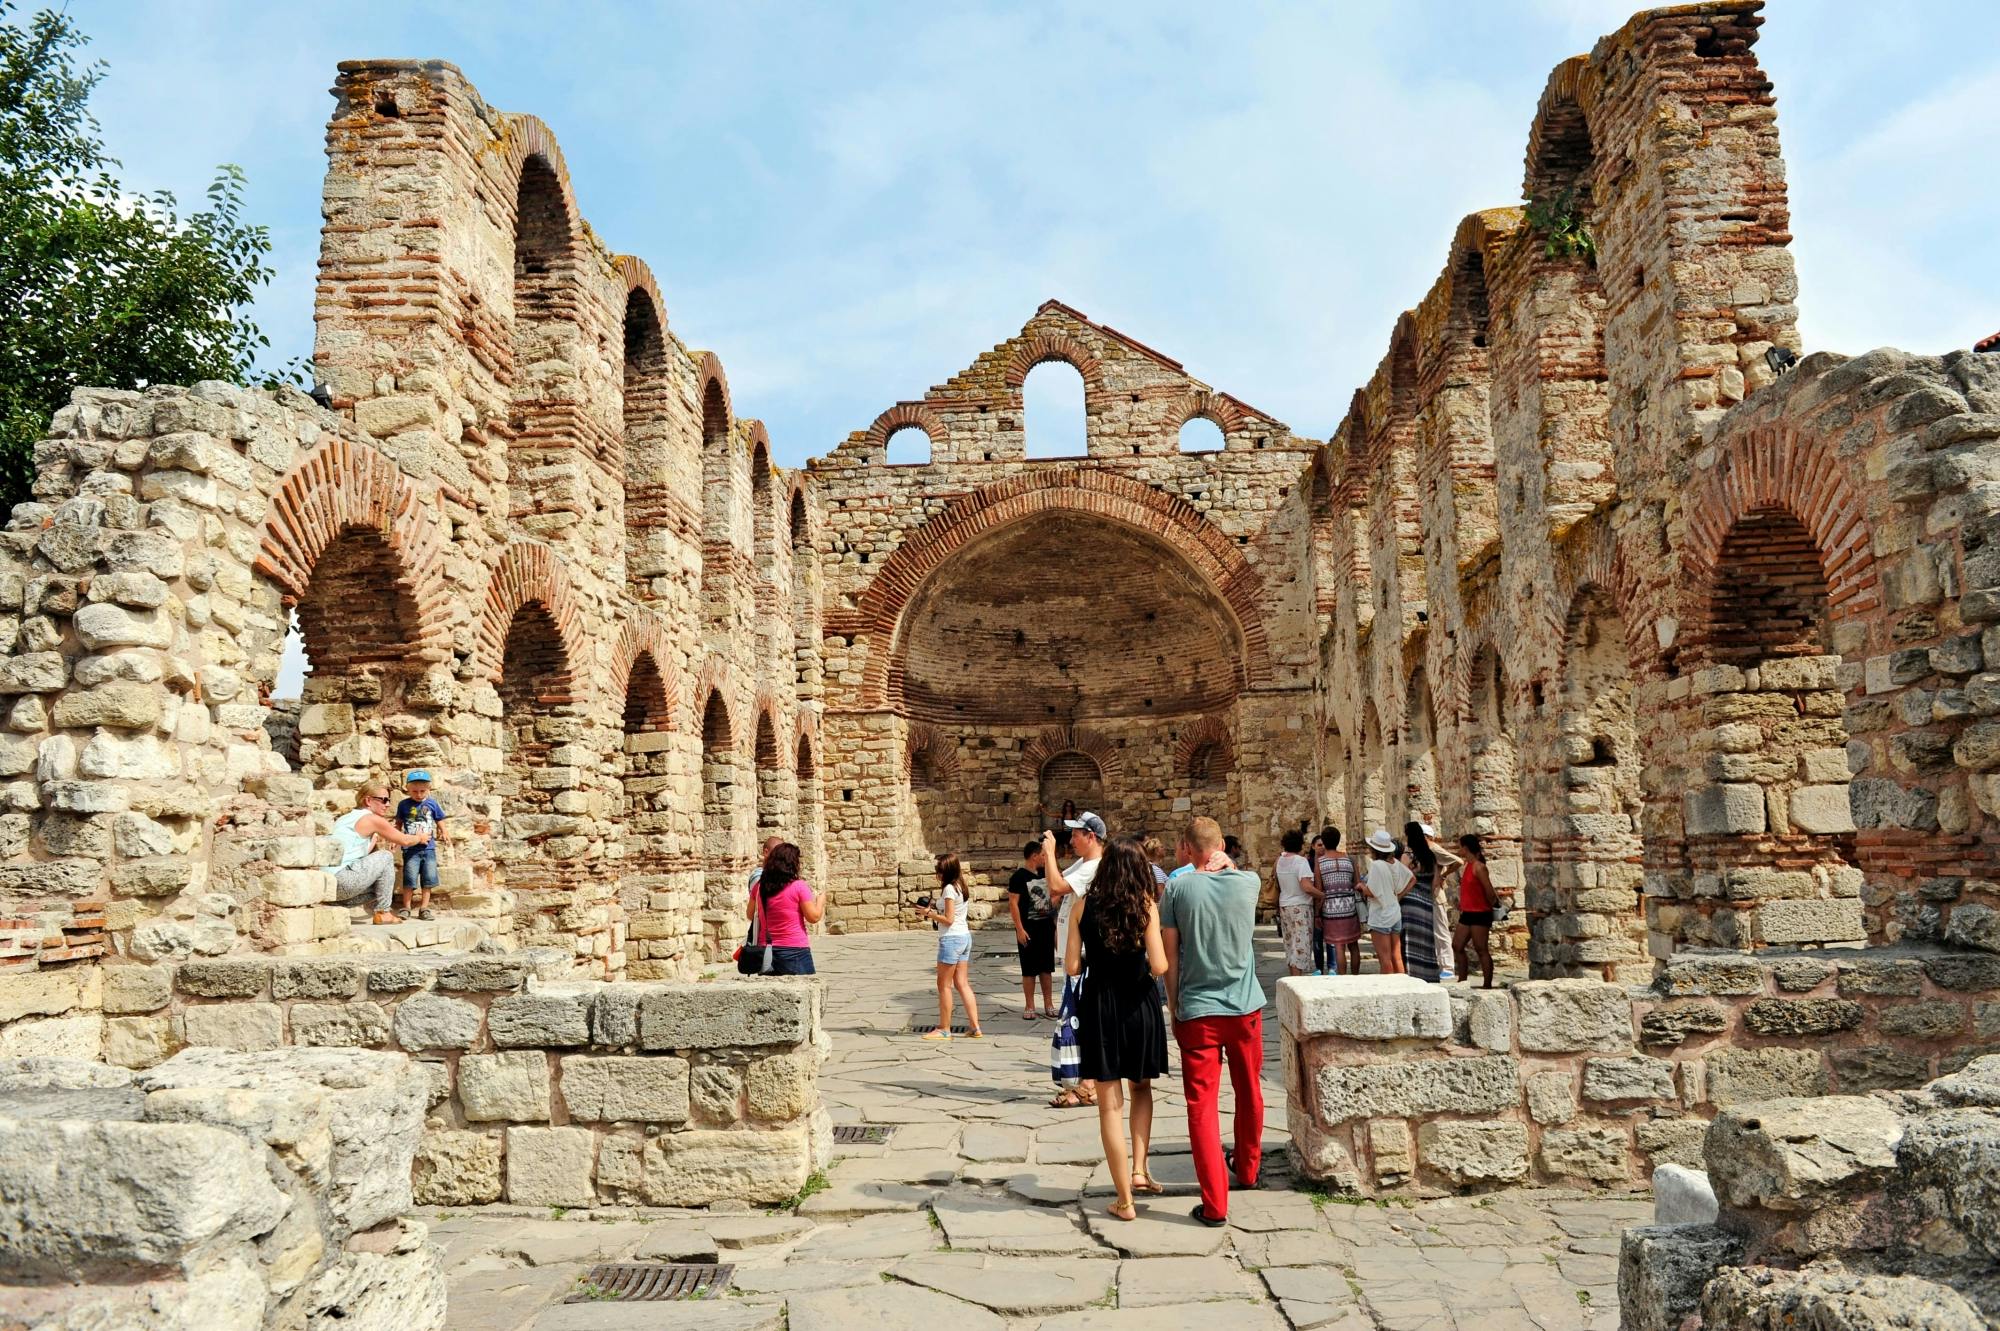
1476,919
1038,954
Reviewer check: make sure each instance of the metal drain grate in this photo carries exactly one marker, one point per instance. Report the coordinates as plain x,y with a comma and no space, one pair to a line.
928,1027
859,1134
652,1282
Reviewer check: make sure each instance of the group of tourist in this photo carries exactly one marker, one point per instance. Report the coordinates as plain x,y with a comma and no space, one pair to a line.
1142,949
1325,900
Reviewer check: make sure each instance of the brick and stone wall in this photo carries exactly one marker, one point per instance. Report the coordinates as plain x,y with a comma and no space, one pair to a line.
541,1090
1852,1211
224,1191
1397,1086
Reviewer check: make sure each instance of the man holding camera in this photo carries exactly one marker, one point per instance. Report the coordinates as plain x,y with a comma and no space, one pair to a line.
1066,886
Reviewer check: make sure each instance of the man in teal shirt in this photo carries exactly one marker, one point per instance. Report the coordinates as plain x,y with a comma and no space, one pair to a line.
1208,921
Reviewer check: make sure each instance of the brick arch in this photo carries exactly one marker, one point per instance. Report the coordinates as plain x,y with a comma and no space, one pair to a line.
924,738
1224,411
1035,754
766,708
798,501
715,676
343,486
637,276
528,572
1041,348
708,370
1203,732
643,636
905,414
879,610
1593,557
529,137
1774,468
805,730
1567,106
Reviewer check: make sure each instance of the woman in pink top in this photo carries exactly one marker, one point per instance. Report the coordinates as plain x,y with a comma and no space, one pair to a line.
788,904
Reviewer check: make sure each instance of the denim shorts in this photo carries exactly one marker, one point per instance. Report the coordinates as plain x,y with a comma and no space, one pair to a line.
1394,927
954,948
421,869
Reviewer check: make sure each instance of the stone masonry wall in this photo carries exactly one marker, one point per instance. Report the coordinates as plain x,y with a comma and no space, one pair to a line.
541,1090
1396,1086
223,1191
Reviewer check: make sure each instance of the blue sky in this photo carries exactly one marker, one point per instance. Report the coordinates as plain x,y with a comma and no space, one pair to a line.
850,202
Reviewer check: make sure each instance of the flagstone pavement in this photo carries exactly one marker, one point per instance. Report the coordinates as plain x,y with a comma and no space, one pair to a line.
985,1210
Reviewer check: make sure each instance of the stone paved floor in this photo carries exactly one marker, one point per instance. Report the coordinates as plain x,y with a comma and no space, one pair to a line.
986,1211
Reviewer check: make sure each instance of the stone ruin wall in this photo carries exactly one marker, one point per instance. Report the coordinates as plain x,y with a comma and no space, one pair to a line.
531,548
1703,653
947,727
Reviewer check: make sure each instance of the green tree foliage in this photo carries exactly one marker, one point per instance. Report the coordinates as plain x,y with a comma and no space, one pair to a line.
1565,230
100,287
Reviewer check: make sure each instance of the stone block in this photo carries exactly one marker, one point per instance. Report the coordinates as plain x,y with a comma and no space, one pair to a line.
455,1168
1602,1155
1756,1298
1676,1023
1363,1007
343,1025
1787,1154
551,1166
1676,1141
1490,1021
716,1092
539,1020
397,975
1698,975
1472,1152
614,1016
433,1021
48,993
1566,1016
1634,1078
316,978
504,1088
1932,1019
1417,1088
1725,808
728,1015
245,1027
1803,1016
1662,1270
1899,977
1873,1068
225,977
1836,921
1389,1149
1551,1097
626,1089
701,1168
1966,972
139,1042
1682,1196
1741,1076
782,1087
485,974
1974,925
91,1199
1821,809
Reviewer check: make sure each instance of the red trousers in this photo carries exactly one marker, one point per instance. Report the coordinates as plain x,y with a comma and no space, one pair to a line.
1205,1042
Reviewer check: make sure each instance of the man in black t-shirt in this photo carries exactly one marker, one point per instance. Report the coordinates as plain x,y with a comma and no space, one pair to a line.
1034,930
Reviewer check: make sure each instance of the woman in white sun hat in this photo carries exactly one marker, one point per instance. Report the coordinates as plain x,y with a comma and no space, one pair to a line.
1387,881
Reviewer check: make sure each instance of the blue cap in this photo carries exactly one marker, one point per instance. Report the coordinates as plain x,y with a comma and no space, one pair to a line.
419,775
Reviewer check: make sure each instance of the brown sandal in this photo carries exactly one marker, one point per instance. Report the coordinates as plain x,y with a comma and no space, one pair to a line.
1117,1211
1142,1182
1067,1099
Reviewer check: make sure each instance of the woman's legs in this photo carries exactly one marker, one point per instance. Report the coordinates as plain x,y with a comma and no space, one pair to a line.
944,996
1110,1100
1388,951
962,977
1319,948
1461,960
1481,942
1028,995
1353,951
1142,1127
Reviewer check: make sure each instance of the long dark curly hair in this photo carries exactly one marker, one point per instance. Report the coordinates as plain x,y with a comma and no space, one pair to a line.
781,870
1120,894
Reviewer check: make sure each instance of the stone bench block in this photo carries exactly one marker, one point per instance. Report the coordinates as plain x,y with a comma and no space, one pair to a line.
1475,1152
1487,1084
621,1089
1569,1016
1782,1154
1364,1007
539,1020
726,1015
1662,1270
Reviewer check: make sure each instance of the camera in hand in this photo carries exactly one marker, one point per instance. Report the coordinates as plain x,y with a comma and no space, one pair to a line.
926,903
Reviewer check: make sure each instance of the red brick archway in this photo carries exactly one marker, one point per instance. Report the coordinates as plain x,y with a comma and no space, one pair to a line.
528,572
344,486
1036,753
878,612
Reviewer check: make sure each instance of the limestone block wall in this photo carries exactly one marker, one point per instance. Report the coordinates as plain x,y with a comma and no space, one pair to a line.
1395,1086
220,1190
980,600
541,1090
1858,1211
1703,670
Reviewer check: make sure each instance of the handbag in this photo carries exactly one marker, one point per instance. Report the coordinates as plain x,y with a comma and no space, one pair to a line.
750,958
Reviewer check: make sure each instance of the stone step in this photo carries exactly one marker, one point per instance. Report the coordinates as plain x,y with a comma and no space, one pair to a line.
444,934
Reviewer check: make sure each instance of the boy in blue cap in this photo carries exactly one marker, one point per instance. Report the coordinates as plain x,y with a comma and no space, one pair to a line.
420,862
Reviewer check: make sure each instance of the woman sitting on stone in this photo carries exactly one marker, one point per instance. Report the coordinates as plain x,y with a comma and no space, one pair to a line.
365,873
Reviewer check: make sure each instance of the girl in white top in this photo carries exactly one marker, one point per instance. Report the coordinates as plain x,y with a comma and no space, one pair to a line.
1298,904
954,953
1387,881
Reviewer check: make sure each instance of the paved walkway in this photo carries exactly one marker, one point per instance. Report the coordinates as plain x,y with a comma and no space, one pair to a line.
986,1210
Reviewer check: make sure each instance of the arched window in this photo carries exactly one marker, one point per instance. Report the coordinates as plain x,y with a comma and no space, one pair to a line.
1201,435
1052,412
908,447
1074,776
772,815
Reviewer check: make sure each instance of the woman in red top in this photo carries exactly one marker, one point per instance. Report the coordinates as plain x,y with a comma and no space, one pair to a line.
1476,902
788,904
